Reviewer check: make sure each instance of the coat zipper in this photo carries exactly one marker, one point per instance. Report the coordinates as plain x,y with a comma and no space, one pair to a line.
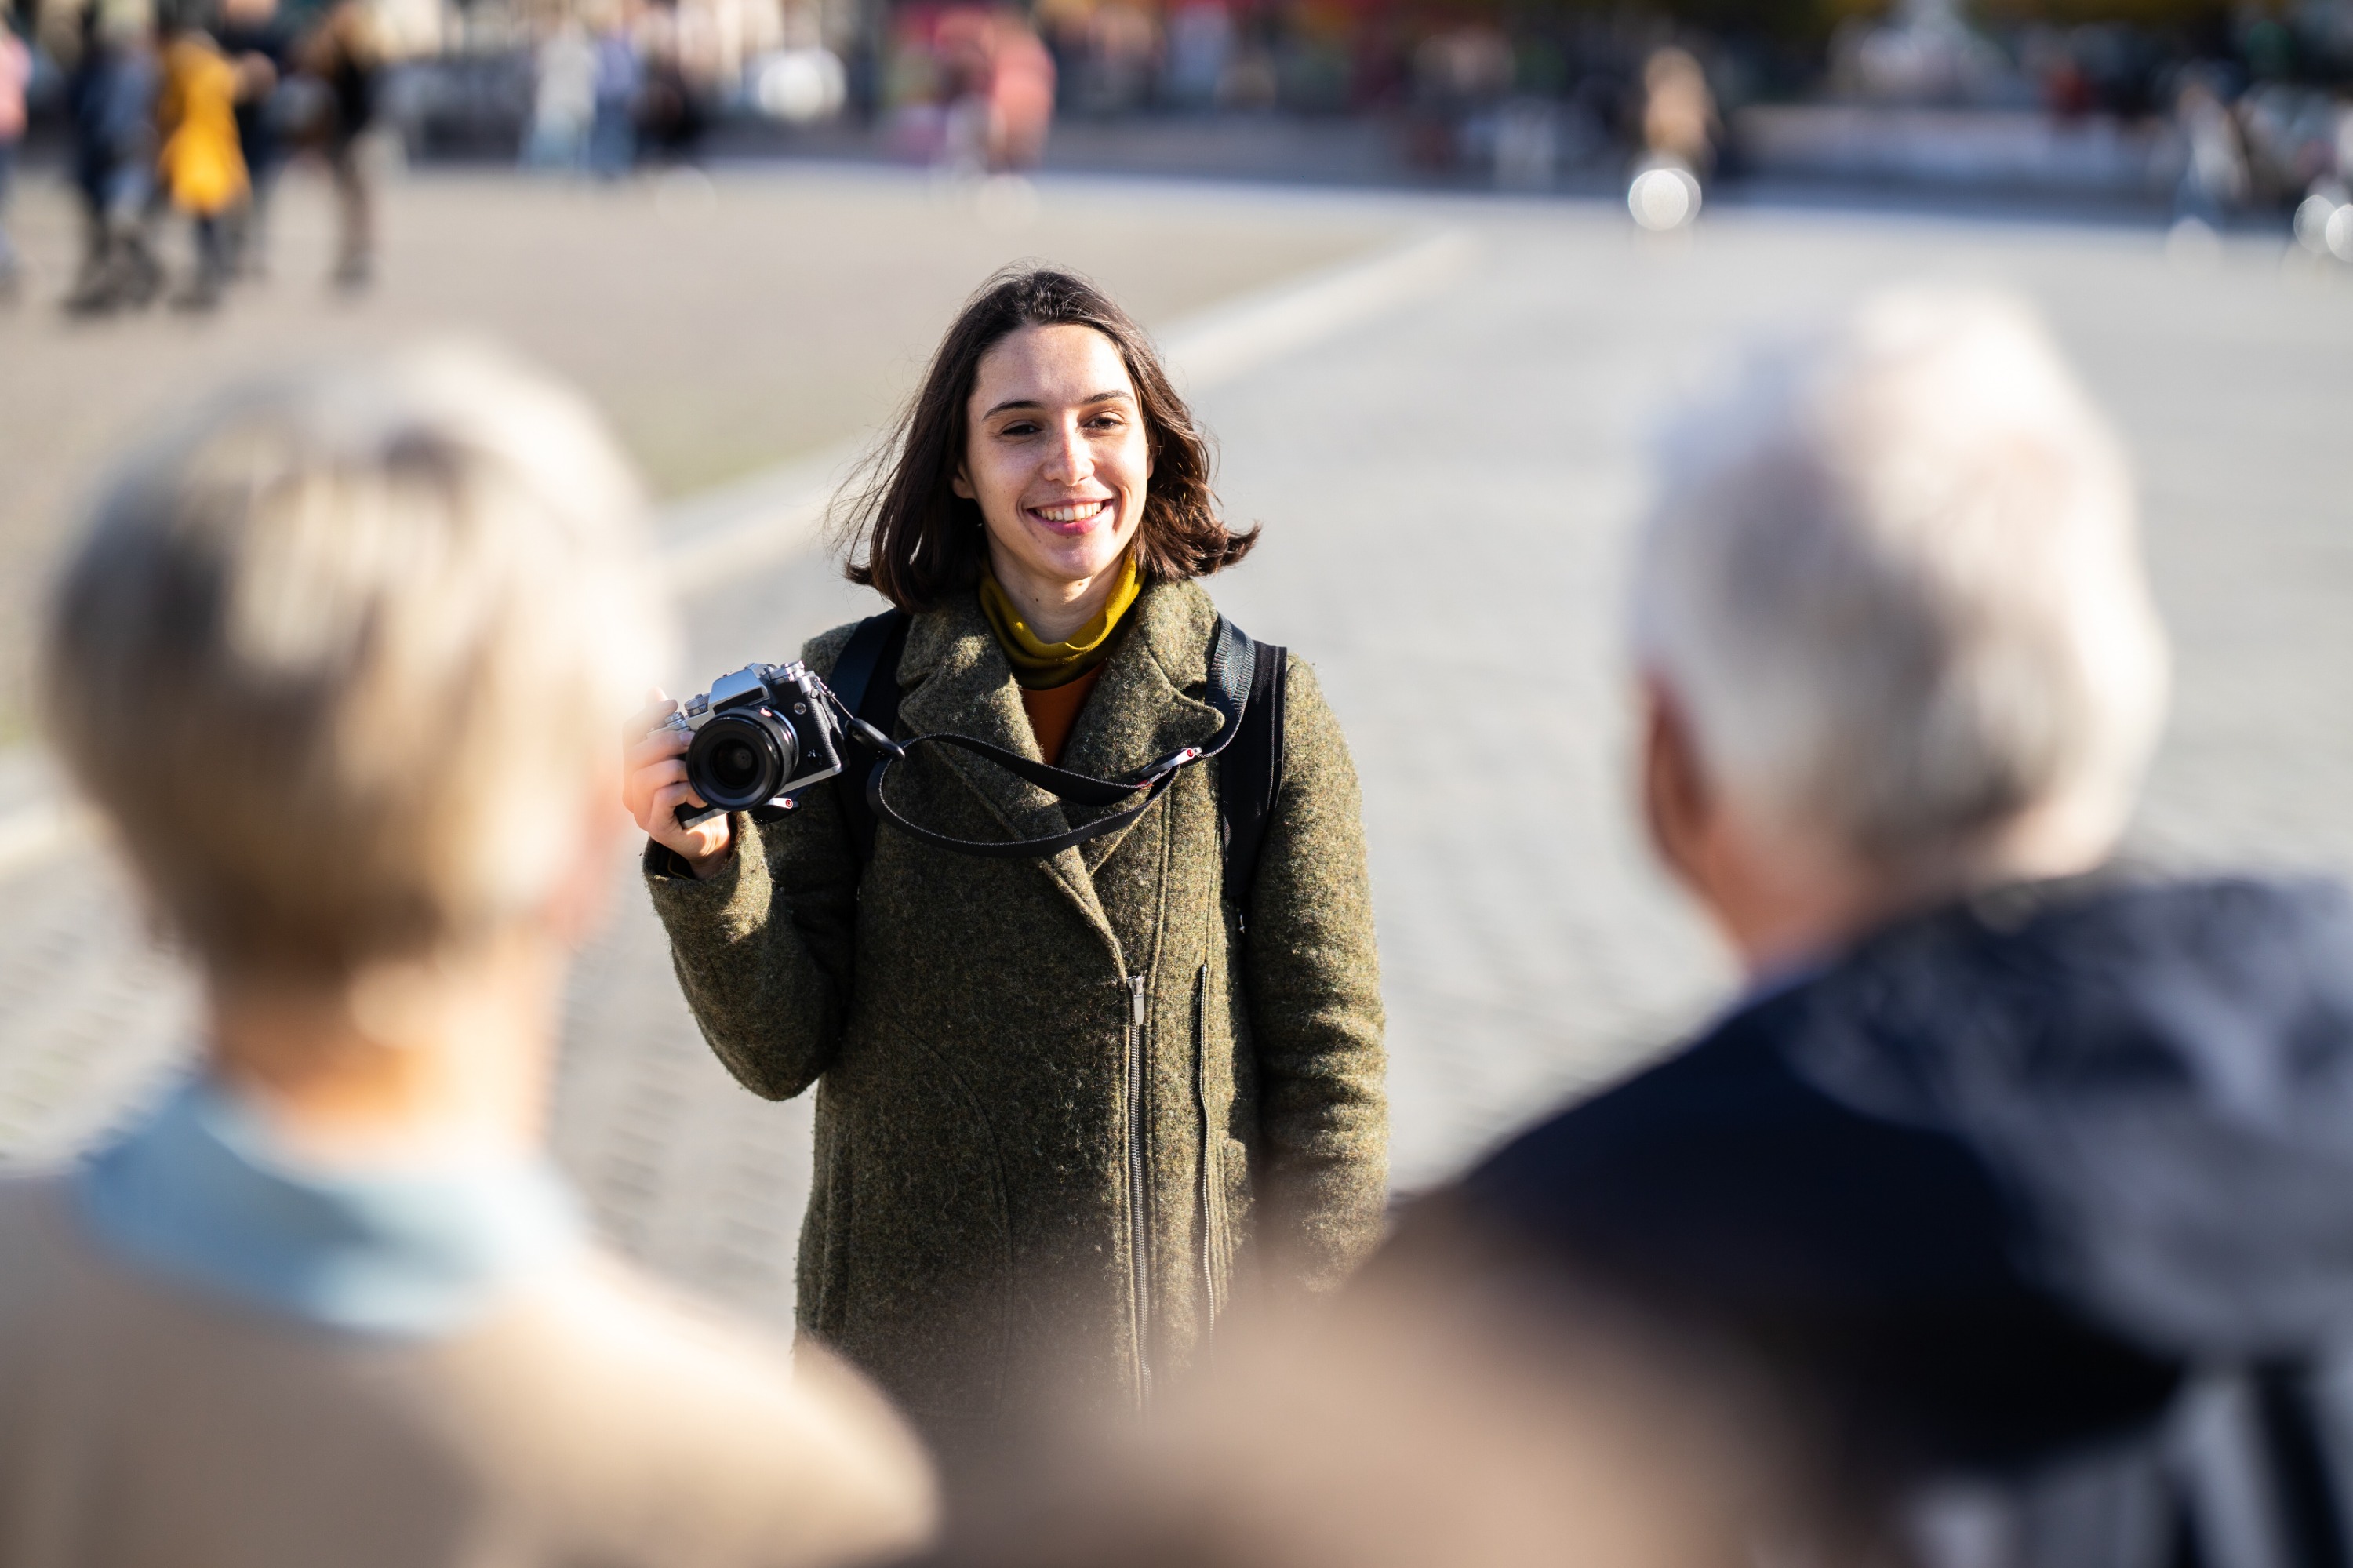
1202,1094
1138,1239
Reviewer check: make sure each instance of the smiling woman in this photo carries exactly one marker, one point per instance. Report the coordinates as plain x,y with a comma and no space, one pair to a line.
1060,476
1067,1111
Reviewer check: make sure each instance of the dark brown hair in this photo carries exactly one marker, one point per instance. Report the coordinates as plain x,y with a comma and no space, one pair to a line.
914,540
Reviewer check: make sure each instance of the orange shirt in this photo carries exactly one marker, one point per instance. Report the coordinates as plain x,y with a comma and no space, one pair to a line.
1053,711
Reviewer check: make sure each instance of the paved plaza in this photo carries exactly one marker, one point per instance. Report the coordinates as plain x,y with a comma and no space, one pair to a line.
1447,489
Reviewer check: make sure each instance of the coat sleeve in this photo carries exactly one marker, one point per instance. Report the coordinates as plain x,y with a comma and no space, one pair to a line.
1312,970
765,946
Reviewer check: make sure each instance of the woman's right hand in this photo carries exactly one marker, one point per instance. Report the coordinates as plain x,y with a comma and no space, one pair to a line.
653,785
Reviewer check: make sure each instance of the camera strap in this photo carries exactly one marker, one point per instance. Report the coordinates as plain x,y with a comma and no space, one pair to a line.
1232,676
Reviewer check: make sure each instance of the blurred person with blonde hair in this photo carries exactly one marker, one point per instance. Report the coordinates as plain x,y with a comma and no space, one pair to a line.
2021,1174
342,659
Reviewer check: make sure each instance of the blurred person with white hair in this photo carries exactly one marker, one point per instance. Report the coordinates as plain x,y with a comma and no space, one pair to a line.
2022,1175
342,660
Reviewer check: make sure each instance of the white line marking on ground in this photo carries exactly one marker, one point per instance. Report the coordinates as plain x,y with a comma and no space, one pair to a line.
1231,339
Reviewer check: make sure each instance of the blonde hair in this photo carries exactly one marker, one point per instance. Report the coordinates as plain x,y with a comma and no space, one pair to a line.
1894,581
344,657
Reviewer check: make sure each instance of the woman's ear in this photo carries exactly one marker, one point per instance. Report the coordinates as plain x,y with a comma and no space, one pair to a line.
961,483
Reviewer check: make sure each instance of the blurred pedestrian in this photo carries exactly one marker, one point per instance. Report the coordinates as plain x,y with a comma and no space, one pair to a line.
960,44
16,75
1121,58
1074,1106
1461,74
201,164
344,54
257,42
564,100
620,75
1200,47
670,118
328,1301
1021,84
1679,124
2020,1177
2214,176
999,88
111,98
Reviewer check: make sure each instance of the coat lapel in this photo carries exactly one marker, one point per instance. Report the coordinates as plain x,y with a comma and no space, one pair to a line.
965,687
959,683
1140,708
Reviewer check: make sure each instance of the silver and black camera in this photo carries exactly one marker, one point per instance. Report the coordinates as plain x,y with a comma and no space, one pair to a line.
762,735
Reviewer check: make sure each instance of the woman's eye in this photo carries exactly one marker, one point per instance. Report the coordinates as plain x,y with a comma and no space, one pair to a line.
1023,428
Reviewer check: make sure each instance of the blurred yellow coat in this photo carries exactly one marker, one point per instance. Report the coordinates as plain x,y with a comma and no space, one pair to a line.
202,164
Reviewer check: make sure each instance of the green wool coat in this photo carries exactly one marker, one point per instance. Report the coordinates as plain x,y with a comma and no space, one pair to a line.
1018,1185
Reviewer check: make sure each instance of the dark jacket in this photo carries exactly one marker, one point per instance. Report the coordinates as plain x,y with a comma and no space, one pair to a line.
1990,1193
975,1222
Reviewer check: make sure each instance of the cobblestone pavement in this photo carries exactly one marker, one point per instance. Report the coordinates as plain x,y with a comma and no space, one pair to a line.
1446,494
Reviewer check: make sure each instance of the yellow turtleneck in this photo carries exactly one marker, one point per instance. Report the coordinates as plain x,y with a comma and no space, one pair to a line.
1055,678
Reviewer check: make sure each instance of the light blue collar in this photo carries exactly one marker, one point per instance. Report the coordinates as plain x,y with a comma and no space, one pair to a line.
200,1192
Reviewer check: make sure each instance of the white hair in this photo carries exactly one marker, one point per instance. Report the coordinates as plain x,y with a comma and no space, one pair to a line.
345,657
1892,586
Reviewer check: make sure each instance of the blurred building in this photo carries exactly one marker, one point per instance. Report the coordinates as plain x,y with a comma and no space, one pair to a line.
2068,95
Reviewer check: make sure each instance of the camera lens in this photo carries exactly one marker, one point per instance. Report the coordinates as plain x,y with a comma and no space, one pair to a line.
735,766
741,759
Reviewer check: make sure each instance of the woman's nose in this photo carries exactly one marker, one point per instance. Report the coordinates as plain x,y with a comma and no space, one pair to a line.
1071,459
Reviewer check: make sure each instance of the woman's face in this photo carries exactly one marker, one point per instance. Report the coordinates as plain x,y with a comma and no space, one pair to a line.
1057,456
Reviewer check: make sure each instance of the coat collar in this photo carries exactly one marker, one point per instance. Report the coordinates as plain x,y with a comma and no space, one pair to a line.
1143,706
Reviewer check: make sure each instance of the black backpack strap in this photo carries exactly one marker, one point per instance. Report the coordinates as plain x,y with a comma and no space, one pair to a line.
1249,774
874,648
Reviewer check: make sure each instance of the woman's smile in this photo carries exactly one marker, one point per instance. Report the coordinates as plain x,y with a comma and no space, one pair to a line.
1074,517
